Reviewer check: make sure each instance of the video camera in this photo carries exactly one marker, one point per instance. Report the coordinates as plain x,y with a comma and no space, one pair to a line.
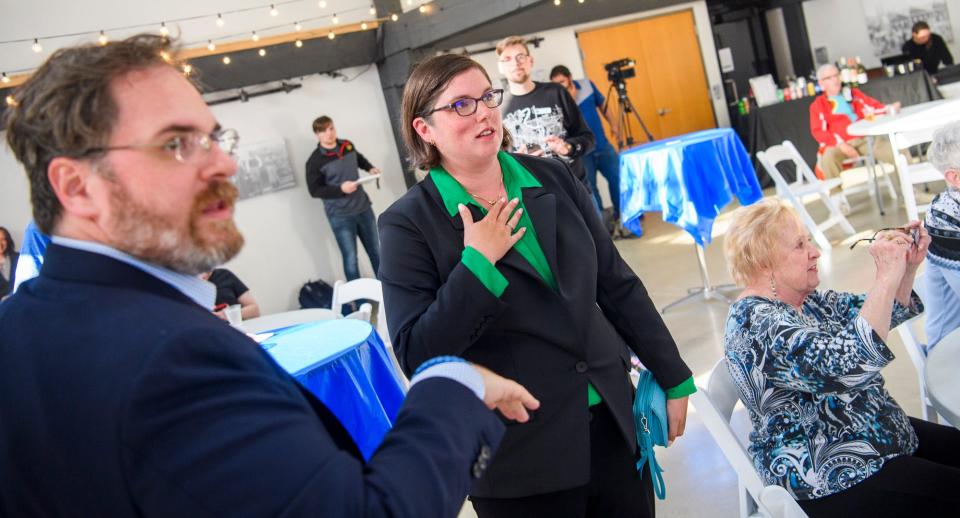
619,70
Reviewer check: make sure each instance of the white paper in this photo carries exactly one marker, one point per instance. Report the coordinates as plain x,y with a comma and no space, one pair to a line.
726,59
368,179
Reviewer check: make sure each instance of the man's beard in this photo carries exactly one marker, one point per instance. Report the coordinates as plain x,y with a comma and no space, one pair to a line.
518,77
200,247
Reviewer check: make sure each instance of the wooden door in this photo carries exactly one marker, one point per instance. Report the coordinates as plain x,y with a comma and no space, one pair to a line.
670,90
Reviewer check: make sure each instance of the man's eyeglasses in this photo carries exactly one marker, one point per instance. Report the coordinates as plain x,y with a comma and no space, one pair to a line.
914,234
185,147
467,106
518,59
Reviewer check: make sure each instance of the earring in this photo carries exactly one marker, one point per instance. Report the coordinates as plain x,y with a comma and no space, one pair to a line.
773,288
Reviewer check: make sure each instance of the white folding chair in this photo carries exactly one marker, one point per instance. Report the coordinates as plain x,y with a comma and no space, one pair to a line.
369,289
806,184
912,174
715,406
910,333
286,319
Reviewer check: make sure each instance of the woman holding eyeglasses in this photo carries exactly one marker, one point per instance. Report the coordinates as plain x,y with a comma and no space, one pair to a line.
807,367
501,259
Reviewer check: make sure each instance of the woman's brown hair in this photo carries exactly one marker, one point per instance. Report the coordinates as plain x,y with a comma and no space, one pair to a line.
426,83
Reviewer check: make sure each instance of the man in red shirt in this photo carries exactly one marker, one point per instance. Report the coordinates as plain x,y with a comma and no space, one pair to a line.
830,115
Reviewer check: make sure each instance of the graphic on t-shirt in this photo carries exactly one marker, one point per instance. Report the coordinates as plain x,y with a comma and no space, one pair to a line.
530,127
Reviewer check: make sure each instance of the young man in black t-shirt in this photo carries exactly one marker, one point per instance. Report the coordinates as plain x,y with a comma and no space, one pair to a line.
542,117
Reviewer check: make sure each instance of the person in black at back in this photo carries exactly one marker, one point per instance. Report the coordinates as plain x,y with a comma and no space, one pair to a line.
332,174
8,262
927,47
231,290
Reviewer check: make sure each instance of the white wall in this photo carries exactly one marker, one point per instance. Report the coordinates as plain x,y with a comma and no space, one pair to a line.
288,238
559,47
840,26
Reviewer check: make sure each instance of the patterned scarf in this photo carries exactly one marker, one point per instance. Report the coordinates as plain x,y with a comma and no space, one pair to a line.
943,224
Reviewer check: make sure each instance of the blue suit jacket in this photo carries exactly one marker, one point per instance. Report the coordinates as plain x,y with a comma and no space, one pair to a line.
121,397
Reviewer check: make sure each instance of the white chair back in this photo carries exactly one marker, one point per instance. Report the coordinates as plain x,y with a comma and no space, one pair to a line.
912,174
357,289
715,406
806,184
286,319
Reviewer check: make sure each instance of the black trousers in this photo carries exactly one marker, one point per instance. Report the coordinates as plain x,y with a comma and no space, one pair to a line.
615,490
926,483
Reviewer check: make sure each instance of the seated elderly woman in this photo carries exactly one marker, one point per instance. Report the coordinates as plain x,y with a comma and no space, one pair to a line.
807,366
941,281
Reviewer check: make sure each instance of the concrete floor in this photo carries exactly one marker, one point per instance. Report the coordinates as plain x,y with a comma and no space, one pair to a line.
698,479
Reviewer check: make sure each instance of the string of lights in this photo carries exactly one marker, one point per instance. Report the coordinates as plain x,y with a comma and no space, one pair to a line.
232,39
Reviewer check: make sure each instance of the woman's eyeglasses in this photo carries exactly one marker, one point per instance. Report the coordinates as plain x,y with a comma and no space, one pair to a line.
467,106
914,234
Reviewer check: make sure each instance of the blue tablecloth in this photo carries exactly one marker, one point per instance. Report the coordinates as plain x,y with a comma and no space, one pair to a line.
690,178
346,365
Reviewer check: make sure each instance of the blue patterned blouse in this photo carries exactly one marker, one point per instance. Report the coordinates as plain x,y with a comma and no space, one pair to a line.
822,419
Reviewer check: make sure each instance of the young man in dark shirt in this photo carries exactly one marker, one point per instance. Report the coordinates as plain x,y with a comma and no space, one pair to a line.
927,47
332,174
542,117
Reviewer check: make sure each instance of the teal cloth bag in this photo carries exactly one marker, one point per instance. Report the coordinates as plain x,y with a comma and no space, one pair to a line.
650,415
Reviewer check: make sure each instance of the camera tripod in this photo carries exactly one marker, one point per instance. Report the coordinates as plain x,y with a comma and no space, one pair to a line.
625,110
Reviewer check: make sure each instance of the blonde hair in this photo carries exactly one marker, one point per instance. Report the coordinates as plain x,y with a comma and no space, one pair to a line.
510,41
751,242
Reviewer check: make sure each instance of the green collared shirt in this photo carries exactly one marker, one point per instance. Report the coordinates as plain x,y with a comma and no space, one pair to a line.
515,178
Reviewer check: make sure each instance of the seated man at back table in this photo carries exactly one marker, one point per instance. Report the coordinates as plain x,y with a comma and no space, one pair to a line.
830,115
130,398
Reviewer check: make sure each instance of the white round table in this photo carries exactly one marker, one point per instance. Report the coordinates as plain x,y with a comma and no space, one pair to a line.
942,376
912,118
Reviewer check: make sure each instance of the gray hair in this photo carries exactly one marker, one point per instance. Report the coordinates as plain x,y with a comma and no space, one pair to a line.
823,68
944,152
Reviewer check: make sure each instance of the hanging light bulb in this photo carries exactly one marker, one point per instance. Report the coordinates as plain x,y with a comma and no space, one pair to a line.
262,52
297,27
556,2
423,9
211,46
322,4
255,37
363,26
102,39
187,69
165,56
298,43
394,17
11,101
273,10
335,20
226,60
332,35
220,21
4,78
36,46
163,29
373,11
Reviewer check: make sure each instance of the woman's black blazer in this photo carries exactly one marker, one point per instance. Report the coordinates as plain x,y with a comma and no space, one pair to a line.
550,341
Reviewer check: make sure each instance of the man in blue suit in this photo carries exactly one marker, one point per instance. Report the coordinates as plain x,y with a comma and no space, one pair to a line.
121,394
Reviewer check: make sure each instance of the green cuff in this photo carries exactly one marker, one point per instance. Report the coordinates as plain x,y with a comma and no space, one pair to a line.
485,271
682,390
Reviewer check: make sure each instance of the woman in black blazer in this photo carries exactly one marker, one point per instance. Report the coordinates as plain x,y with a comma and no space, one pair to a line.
501,259
8,262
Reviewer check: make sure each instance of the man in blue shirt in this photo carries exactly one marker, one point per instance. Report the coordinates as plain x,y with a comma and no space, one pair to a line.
603,157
